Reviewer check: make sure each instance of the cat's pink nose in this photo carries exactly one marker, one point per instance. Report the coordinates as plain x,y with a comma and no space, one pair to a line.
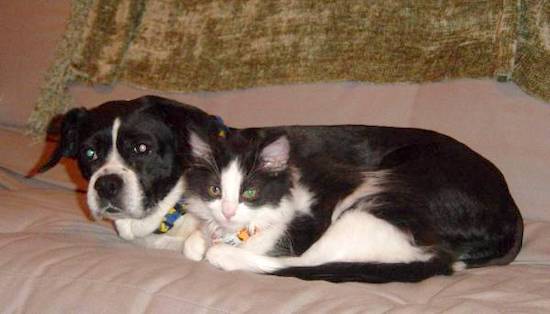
229,209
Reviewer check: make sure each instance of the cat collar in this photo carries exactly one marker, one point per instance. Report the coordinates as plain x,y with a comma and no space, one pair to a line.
170,218
237,238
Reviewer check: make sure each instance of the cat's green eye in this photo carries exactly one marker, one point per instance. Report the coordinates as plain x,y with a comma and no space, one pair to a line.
214,191
250,194
90,154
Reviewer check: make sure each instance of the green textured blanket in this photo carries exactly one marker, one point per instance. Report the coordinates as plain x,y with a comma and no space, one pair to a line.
218,45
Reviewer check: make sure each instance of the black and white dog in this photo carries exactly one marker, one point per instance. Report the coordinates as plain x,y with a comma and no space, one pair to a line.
133,153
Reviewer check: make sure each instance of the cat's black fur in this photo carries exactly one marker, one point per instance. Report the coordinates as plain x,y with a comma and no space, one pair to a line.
445,195
440,190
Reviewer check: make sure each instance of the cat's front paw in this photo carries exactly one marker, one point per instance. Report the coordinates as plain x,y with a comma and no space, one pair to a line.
225,257
195,246
124,229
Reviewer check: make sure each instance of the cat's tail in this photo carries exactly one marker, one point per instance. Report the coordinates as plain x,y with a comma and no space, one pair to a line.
373,272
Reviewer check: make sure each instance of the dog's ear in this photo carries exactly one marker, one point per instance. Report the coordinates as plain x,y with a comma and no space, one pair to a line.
68,143
185,119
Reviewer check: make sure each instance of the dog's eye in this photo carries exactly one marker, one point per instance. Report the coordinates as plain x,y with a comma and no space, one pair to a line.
250,194
141,148
90,153
214,191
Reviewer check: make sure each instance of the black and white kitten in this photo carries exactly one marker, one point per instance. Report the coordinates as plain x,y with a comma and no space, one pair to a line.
331,205
246,195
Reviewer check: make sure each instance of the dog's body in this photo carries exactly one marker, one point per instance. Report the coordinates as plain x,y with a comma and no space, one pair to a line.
134,154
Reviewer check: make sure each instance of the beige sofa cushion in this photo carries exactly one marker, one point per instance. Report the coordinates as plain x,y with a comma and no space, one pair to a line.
55,261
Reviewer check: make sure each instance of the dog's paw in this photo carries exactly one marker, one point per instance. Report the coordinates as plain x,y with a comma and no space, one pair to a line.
225,257
124,229
195,246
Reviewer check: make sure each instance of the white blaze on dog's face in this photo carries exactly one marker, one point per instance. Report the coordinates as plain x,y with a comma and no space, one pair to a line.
114,189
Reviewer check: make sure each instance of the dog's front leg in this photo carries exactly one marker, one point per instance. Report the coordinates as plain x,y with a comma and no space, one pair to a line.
129,229
124,229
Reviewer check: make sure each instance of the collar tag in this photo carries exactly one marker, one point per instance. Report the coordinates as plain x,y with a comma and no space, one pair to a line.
235,239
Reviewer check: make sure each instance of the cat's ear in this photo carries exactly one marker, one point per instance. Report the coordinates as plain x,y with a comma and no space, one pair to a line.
199,148
275,155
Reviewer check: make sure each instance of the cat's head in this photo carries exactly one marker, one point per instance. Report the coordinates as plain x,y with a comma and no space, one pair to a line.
238,179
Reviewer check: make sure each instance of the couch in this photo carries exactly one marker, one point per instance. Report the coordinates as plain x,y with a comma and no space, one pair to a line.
54,259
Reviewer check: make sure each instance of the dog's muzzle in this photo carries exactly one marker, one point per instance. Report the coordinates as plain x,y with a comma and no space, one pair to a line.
115,193
109,188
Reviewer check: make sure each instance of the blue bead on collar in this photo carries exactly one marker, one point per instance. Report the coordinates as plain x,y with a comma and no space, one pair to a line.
170,218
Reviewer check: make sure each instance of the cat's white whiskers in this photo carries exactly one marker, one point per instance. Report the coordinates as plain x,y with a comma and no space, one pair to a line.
251,172
214,167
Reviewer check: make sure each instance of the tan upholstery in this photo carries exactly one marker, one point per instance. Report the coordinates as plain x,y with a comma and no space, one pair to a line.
54,260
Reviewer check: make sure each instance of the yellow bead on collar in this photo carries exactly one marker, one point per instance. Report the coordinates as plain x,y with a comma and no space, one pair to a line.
243,234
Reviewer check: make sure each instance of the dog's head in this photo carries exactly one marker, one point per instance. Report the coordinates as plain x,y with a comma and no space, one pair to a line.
133,153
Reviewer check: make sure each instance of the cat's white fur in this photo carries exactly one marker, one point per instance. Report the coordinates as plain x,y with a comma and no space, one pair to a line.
231,180
354,235
344,241
372,184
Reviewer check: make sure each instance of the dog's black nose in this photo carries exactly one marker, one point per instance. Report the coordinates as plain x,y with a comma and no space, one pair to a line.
108,186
